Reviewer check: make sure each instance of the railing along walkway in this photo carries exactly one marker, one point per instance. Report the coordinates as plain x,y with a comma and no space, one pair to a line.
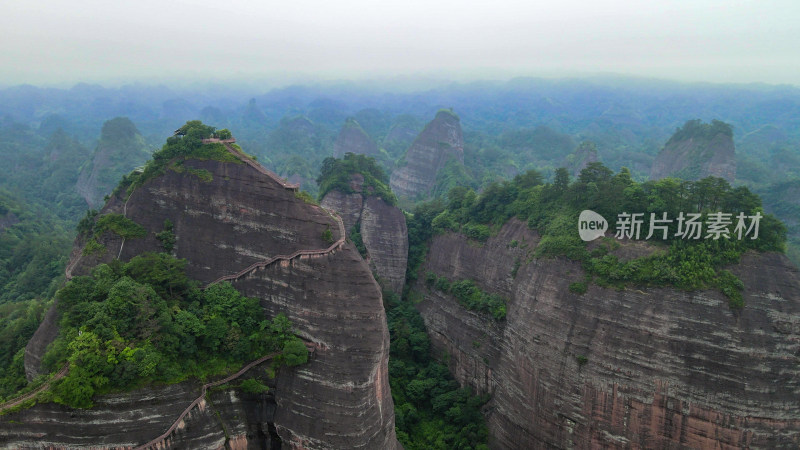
25,397
159,441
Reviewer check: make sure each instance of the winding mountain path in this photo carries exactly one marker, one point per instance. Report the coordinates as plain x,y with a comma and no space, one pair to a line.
227,143
300,253
25,397
159,442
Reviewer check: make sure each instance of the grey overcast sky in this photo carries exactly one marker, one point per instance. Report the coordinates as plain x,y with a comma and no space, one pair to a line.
63,42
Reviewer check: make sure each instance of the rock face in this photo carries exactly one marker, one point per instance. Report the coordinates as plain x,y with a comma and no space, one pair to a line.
383,231
353,139
440,141
340,399
147,413
697,151
639,368
121,148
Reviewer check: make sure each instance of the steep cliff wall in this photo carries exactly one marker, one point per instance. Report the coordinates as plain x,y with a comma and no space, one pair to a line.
383,231
639,368
341,398
133,418
440,141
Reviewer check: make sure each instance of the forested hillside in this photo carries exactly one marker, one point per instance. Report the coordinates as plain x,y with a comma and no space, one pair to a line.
536,150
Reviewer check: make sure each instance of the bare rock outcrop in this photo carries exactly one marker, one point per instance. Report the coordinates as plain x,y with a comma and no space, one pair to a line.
382,228
439,142
697,150
353,139
340,399
638,368
146,413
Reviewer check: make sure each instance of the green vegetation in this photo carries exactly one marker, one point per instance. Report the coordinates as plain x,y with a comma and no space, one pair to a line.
469,295
253,386
553,210
167,236
19,322
355,236
306,197
121,148
33,251
187,144
327,236
294,353
697,129
336,174
431,410
578,287
119,225
115,223
145,321
295,145
783,199
452,175
203,174
93,247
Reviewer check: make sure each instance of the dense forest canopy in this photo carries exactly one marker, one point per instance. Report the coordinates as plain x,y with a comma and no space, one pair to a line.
553,208
143,321
337,174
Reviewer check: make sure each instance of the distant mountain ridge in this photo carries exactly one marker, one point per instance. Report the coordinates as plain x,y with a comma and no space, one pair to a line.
121,148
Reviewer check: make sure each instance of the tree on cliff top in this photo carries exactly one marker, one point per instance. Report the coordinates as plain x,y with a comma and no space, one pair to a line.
697,129
336,174
187,143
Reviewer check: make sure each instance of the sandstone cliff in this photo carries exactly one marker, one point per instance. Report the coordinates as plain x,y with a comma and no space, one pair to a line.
439,142
340,399
382,228
353,139
121,148
639,368
247,418
697,150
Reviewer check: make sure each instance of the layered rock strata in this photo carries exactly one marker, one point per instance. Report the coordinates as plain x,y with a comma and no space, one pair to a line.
340,399
638,368
383,231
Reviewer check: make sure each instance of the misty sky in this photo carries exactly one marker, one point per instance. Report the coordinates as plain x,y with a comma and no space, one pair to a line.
58,42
